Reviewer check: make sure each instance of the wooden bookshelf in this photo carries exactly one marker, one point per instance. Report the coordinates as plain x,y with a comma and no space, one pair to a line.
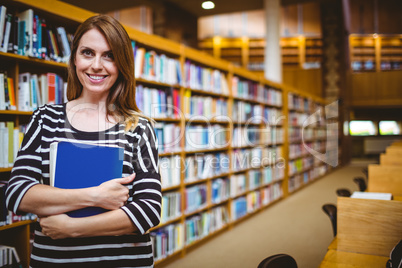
375,52
299,52
240,102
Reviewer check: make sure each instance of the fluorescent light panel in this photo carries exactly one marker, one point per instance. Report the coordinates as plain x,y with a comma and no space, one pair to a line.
208,5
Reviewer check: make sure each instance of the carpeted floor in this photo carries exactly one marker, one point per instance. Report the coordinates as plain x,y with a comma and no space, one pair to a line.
296,226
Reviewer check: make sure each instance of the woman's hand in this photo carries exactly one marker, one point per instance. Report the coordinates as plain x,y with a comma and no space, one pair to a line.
112,194
57,226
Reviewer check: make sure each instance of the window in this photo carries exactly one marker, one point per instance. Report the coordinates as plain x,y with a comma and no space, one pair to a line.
389,128
362,128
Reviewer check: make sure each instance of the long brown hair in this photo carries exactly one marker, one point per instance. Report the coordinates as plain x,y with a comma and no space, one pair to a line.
120,102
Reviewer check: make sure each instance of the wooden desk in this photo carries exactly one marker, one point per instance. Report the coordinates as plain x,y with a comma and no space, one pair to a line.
334,244
397,197
390,160
368,226
341,259
385,179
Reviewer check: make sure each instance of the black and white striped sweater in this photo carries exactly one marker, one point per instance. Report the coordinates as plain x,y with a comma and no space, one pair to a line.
50,124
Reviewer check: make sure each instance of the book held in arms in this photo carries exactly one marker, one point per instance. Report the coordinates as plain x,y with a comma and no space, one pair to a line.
75,165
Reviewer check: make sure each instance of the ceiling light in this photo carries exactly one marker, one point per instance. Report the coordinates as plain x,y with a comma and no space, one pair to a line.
208,5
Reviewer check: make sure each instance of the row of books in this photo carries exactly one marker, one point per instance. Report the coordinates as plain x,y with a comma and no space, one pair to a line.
243,205
247,136
154,67
201,225
171,206
171,238
238,184
205,79
298,119
169,136
200,137
255,178
244,159
36,90
220,190
253,201
29,35
300,164
250,90
203,166
9,257
246,89
247,112
159,103
7,92
167,240
296,102
170,169
203,137
10,142
296,181
204,106
195,197
297,134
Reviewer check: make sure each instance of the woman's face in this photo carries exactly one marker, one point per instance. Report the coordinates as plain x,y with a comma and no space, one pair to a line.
95,65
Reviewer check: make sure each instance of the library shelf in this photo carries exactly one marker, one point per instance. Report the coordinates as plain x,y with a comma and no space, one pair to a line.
16,224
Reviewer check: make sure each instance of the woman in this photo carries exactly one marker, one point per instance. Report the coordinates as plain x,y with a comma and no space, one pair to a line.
101,110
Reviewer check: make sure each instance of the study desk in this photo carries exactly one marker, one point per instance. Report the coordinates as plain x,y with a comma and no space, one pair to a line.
367,231
342,259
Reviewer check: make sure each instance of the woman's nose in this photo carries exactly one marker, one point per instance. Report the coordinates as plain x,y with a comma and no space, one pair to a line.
97,63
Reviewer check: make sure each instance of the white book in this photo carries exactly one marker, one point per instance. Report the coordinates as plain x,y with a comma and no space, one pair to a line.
44,92
2,93
28,16
371,195
24,92
3,10
6,37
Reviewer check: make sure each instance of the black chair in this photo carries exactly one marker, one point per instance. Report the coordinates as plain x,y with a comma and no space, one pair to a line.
278,261
343,192
331,211
361,183
365,171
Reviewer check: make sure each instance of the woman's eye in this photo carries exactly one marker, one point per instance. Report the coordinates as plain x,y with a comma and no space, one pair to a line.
110,55
86,53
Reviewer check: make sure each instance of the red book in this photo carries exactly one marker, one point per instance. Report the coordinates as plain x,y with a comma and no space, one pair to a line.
51,85
176,103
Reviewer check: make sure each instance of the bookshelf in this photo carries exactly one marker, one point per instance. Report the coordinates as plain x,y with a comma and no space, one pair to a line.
222,130
297,51
375,52
312,138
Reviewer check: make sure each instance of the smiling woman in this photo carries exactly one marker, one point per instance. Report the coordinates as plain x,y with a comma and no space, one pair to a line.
95,66
101,110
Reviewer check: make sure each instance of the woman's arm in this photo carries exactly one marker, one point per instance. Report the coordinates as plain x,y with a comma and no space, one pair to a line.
110,223
45,200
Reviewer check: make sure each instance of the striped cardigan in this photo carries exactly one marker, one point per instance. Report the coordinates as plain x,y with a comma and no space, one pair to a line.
50,124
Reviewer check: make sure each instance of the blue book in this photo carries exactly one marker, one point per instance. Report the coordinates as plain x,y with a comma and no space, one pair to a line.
81,165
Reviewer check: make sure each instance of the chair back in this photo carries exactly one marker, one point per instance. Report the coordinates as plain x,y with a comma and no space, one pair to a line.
343,192
331,211
361,183
278,261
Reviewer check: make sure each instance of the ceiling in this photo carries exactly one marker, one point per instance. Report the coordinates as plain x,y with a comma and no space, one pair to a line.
191,6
